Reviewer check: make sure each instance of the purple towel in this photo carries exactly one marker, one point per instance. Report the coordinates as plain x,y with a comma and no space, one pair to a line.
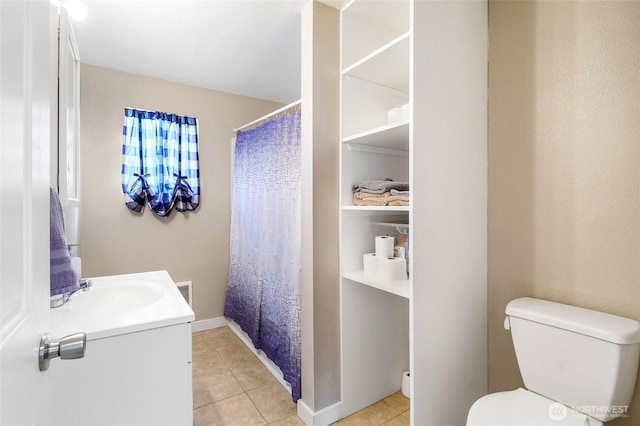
64,278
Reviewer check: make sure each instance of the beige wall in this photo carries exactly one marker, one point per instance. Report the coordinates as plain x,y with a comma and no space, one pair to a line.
320,275
190,246
564,163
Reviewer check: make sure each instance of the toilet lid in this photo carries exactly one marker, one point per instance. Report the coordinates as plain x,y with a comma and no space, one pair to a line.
523,408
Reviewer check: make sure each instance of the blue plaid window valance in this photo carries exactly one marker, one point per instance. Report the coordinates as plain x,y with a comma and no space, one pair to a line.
160,161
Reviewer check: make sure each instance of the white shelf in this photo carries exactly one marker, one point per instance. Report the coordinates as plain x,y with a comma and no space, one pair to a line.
376,208
376,150
376,68
399,288
392,136
367,25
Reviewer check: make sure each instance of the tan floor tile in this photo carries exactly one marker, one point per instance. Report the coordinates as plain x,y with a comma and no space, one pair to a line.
236,353
347,421
288,421
237,410
373,415
207,362
398,402
214,339
226,332
221,331
397,421
226,337
214,387
273,402
203,334
202,341
233,388
252,375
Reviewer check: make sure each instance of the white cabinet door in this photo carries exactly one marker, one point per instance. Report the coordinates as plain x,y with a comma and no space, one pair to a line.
24,209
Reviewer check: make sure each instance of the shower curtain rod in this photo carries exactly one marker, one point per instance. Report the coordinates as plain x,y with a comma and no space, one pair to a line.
284,108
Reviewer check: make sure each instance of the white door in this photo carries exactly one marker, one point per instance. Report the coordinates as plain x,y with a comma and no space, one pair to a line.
24,209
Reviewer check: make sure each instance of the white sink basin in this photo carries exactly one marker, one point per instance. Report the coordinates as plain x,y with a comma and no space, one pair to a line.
116,297
120,304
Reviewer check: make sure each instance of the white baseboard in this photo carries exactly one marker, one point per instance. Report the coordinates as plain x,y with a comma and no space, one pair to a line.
324,417
208,324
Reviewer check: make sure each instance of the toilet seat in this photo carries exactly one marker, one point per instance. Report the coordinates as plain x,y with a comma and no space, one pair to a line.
524,408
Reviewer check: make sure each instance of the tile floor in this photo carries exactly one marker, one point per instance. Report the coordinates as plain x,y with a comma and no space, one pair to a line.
231,387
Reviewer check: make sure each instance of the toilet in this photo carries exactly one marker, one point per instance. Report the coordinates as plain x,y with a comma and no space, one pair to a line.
579,367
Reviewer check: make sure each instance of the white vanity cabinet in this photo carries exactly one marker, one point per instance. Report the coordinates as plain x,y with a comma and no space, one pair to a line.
136,369
431,55
132,379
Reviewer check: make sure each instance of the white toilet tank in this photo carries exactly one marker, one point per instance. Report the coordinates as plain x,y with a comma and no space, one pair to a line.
584,359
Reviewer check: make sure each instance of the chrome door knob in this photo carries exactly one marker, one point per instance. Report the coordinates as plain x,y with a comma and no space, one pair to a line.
69,347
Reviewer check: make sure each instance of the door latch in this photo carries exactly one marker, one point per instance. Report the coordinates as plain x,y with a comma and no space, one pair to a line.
69,347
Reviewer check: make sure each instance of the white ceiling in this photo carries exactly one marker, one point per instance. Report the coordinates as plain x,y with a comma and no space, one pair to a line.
247,47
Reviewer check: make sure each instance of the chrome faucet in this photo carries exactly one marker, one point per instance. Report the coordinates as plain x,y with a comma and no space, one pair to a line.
85,284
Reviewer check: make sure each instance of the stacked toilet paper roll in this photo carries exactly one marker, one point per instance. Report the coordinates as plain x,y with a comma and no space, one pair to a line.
384,246
392,268
381,264
370,263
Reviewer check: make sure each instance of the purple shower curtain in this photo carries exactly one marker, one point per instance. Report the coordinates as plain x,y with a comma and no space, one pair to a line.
263,295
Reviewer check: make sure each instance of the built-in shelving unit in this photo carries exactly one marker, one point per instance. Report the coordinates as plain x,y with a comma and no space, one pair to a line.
375,52
433,57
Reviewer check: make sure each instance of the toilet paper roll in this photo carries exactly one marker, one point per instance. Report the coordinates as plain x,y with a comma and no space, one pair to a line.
370,264
406,384
394,268
384,246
